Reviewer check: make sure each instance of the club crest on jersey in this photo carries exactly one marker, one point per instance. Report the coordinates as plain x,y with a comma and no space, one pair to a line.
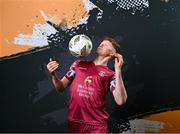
88,80
102,73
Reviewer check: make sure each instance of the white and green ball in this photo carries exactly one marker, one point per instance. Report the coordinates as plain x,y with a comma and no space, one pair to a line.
80,45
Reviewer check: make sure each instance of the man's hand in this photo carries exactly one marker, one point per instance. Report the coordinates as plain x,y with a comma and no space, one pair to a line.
52,66
118,61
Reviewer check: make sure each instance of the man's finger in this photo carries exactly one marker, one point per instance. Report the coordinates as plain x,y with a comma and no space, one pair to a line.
116,55
52,63
112,54
53,68
116,60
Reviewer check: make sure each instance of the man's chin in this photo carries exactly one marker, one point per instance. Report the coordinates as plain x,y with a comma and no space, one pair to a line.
97,53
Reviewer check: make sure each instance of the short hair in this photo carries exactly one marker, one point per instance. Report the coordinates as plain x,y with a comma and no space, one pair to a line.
114,43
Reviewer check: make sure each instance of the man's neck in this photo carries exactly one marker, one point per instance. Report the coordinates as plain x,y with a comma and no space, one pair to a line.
101,60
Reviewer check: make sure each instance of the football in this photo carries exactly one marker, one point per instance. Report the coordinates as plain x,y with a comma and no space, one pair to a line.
80,45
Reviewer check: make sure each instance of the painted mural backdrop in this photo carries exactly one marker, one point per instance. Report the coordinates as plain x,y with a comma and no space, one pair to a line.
33,31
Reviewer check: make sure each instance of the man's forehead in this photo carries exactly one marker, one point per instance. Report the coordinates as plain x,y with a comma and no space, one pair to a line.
108,44
106,41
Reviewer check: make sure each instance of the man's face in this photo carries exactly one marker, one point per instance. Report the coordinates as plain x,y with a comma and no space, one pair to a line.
105,48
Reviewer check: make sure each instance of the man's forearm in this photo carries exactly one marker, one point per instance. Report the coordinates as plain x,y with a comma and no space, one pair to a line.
120,94
57,83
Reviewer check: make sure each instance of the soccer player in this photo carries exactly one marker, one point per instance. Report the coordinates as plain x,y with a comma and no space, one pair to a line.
89,83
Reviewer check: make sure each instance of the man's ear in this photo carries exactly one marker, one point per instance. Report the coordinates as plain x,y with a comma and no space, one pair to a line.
112,55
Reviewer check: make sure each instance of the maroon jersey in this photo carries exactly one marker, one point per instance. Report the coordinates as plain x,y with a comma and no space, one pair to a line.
88,90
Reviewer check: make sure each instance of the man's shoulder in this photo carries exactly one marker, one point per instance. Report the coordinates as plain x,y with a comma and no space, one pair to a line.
110,72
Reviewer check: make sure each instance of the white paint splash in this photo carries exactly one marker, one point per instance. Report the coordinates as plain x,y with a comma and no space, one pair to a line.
38,36
143,125
83,20
90,6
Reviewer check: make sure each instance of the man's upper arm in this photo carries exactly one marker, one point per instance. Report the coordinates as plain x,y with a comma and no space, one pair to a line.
69,76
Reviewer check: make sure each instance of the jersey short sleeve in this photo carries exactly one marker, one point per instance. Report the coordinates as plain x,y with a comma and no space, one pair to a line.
72,71
112,83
